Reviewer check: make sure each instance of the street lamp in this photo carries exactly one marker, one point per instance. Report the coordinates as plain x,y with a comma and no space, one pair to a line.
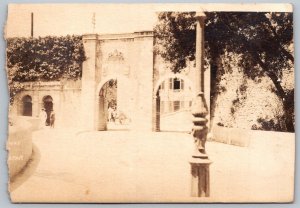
200,186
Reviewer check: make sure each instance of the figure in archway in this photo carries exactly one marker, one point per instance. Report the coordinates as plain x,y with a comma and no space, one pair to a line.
107,104
48,106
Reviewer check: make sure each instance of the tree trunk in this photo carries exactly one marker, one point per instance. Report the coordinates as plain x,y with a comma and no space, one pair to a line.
214,93
286,98
289,112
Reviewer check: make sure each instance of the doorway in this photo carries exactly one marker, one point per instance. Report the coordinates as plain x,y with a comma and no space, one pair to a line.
173,105
48,106
107,105
27,106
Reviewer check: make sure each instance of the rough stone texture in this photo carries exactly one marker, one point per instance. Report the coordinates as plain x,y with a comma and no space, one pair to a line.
242,101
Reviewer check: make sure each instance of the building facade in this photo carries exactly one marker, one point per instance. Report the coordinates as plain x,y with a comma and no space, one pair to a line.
147,91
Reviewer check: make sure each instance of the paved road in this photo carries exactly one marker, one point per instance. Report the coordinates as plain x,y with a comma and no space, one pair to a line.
134,166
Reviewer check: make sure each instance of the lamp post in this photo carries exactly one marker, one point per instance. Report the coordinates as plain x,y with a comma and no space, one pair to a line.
200,186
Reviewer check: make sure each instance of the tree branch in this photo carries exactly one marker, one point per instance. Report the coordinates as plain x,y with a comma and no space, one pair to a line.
283,50
272,76
264,67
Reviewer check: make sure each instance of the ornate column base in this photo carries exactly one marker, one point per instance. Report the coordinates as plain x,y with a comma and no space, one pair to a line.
199,161
200,185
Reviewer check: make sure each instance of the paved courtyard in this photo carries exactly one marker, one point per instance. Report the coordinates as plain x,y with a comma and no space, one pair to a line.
123,166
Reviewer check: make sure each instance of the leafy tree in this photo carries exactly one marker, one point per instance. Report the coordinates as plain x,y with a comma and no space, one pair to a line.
43,59
263,40
14,87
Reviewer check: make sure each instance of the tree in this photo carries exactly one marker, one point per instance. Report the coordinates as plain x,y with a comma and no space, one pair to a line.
14,87
264,41
43,59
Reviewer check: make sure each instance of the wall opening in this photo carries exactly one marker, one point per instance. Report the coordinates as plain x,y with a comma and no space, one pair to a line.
48,106
27,106
173,106
107,104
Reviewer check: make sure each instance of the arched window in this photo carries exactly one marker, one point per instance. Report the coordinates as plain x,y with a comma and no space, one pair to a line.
27,106
172,104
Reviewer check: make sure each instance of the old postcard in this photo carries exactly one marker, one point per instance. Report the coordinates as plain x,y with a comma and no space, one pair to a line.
115,103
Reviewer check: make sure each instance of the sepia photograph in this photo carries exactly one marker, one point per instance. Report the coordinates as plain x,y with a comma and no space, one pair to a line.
150,103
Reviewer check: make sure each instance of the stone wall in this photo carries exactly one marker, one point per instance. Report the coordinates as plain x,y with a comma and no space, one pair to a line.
66,101
19,143
243,102
247,138
128,58
70,107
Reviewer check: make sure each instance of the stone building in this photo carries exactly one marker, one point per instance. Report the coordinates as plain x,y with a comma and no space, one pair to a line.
146,88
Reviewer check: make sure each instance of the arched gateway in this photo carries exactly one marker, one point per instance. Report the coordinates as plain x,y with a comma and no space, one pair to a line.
174,95
129,59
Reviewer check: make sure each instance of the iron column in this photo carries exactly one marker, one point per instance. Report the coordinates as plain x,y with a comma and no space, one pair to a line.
199,161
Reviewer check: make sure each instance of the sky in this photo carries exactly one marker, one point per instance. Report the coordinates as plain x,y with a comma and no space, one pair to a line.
64,19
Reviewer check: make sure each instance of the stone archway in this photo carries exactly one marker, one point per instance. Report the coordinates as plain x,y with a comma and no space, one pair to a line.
112,104
172,103
107,104
27,106
48,106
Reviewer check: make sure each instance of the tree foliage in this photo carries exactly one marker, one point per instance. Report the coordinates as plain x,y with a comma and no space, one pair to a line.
263,40
175,38
45,59
14,87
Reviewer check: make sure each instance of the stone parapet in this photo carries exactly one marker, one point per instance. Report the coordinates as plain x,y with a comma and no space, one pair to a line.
19,143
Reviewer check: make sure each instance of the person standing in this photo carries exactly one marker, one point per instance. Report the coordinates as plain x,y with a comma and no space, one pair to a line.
52,119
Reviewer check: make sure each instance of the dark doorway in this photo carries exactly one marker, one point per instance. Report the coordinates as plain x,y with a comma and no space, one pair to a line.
48,106
108,117
27,106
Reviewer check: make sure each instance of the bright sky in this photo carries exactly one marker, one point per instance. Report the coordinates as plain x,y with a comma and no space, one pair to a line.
63,19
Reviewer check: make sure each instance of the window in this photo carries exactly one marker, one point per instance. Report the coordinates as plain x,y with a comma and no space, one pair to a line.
176,105
176,84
